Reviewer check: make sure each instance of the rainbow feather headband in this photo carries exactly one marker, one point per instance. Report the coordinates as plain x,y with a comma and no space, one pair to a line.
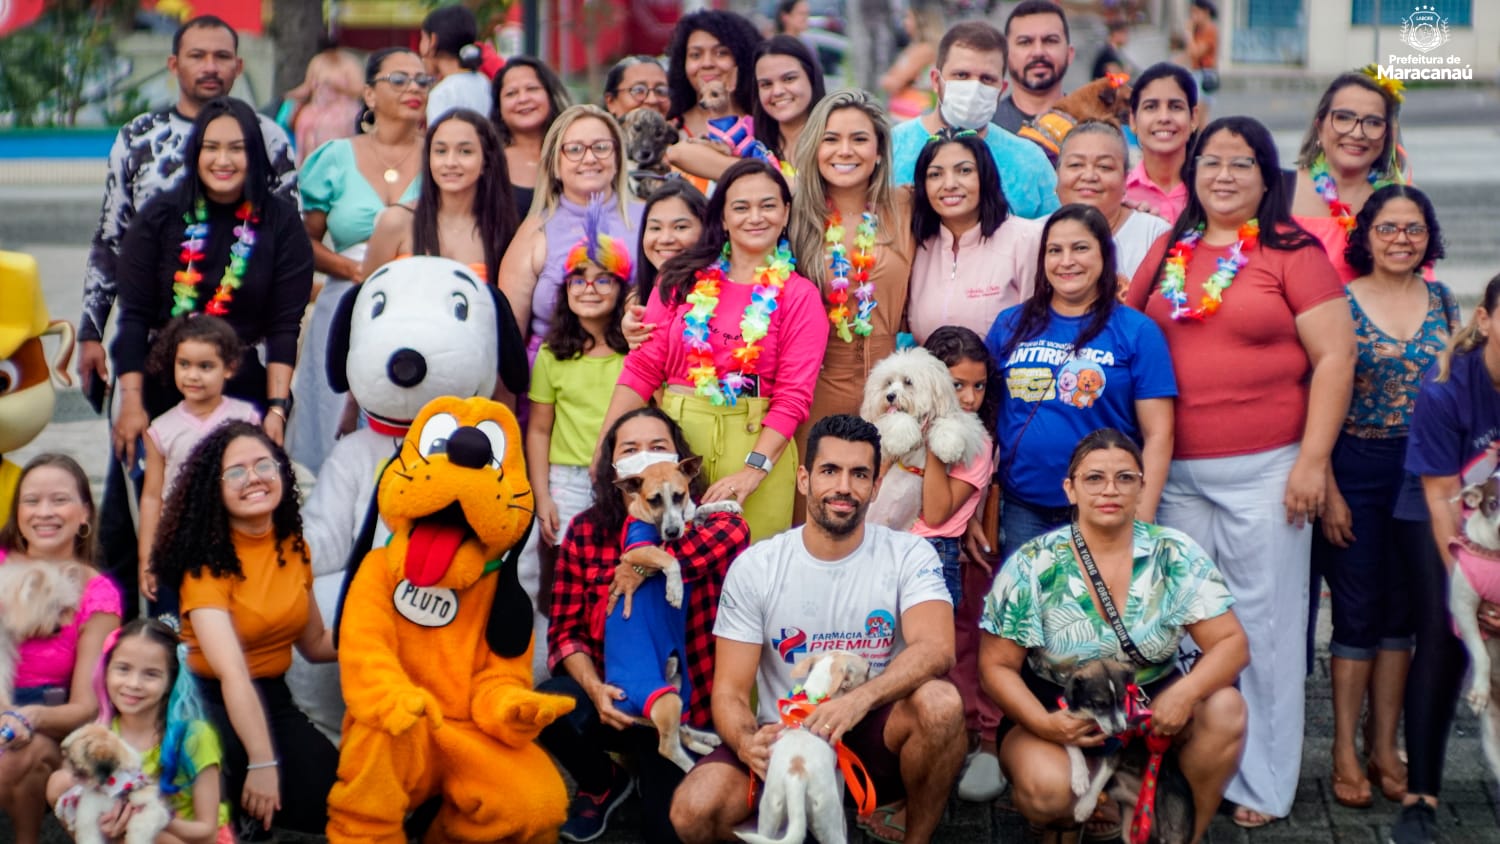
595,247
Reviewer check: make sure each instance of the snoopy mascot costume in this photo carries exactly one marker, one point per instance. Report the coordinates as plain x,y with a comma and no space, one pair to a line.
418,328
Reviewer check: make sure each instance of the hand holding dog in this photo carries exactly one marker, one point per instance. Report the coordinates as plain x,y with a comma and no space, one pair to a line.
738,486
1061,728
626,581
114,822
755,751
837,715
1171,710
603,696
1489,618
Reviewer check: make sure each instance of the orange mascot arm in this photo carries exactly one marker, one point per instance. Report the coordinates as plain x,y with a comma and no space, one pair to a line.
377,690
506,707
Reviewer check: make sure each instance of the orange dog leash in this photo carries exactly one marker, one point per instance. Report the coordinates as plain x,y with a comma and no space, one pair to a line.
861,786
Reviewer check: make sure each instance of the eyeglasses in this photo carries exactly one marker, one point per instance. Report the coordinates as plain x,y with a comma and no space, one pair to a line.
1240,167
1125,482
1388,231
1344,121
574,151
400,79
265,468
641,90
602,282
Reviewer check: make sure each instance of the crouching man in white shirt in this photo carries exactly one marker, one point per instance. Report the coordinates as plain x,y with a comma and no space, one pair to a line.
834,584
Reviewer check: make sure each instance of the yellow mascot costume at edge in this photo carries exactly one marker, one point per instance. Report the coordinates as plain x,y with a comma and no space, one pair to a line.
435,646
27,396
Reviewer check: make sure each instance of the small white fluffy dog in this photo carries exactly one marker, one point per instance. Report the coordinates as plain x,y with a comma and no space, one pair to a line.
910,398
36,599
108,770
802,778
1476,556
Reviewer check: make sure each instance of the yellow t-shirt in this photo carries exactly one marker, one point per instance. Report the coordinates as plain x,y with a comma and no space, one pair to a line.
268,606
579,391
202,748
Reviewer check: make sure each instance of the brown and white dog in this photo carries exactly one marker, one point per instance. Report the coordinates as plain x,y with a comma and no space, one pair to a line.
1476,578
36,599
647,136
107,770
1106,99
803,791
661,495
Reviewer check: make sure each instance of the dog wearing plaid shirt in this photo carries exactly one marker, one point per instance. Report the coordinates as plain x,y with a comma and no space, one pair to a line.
651,621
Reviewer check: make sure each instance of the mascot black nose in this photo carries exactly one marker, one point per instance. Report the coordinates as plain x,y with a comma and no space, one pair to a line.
407,368
469,448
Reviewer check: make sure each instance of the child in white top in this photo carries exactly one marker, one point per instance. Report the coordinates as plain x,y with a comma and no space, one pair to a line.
201,352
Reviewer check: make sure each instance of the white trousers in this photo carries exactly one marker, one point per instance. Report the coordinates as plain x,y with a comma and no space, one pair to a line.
1232,506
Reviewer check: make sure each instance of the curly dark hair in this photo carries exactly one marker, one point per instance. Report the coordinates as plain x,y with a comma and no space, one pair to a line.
731,30
1358,254
609,503
204,328
568,338
194,534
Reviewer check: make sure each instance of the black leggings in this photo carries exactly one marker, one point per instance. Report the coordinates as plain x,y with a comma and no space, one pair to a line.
581,743
309,762
1437,669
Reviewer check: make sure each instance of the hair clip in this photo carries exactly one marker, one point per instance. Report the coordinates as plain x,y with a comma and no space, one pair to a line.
949,134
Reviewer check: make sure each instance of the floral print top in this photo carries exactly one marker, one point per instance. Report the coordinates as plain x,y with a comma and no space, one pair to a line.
1388,373
1042,601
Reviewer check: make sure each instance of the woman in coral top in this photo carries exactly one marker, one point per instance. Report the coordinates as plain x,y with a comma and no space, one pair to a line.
232,545
1263,348
739,339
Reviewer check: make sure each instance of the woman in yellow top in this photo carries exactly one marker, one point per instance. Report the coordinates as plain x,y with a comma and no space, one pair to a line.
232,545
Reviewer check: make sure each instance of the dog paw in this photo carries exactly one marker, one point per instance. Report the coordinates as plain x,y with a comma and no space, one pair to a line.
947,440
900,433
701,742
1080,784
674,591
1478,697
726,506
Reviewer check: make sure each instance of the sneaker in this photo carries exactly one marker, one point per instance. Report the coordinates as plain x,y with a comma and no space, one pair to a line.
588,815
982,780
1417,824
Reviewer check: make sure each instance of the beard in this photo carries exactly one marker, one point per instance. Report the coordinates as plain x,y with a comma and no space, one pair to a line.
835,525
1046,82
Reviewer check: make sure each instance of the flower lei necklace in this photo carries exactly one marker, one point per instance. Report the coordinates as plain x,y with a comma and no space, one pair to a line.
1327,189
755,324
842,264
195,238
1174,277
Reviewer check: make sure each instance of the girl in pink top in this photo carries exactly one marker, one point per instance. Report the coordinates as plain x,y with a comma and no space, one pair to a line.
974,258
201,353
52,522
738,342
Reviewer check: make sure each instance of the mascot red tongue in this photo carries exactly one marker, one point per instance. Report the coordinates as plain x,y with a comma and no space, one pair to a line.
431,549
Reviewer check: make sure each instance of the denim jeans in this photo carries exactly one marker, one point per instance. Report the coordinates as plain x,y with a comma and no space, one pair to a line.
1021,522
948,550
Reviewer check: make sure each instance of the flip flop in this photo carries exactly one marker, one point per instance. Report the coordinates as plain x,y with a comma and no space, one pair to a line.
1360,789
1105,824
881,824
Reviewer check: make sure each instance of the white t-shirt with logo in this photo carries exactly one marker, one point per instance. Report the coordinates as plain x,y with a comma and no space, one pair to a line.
792,604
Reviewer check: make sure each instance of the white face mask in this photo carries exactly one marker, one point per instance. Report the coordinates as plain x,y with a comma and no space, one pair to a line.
634,464
968,103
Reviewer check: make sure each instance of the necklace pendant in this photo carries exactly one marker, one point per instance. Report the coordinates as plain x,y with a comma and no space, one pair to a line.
390,175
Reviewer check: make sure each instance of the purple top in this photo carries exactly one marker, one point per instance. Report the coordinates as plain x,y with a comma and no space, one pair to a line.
563,229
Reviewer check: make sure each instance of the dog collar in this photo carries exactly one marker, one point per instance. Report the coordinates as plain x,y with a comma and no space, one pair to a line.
793,712
912,469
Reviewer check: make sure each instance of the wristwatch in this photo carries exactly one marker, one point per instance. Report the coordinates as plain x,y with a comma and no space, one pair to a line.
756,460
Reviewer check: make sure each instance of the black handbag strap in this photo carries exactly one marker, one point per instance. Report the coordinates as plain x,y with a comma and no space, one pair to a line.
1106,600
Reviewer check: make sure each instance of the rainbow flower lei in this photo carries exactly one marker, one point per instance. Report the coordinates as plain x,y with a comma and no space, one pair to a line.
841,265
1174,276
755,324
195,238
1325,186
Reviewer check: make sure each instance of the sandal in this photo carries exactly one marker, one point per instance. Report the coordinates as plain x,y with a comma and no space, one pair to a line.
1247,818
1105,824
1391,787
1355,794
882,824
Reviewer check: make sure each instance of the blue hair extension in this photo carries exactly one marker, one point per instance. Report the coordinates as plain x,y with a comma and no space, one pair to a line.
183,708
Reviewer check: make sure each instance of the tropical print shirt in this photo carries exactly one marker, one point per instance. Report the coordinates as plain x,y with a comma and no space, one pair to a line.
1042,601
1388,372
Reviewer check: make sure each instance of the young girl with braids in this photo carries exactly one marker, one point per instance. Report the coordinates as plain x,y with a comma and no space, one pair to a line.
153,705
575,374
232,547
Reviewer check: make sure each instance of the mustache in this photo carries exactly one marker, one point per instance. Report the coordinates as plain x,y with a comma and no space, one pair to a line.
1047,63
841,499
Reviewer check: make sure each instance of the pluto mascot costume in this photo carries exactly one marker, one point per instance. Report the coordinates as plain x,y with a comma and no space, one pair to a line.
27,396
416,329
435,644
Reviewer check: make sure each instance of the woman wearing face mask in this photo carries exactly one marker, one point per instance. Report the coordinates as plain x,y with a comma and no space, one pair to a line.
968,75
1091,170
588,571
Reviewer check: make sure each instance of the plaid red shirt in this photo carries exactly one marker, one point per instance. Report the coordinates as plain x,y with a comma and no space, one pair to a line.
586,567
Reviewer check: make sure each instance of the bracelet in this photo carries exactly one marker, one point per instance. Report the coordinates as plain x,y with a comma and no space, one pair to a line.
642,571
258,765
25,722
277,411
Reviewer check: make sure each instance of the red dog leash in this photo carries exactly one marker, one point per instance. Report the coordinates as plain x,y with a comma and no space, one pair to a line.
794,711
1138,716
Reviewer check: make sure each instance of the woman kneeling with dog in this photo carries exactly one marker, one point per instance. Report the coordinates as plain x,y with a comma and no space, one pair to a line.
589,571
1051,612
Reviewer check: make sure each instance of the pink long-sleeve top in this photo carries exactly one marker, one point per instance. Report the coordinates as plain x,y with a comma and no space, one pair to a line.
790,356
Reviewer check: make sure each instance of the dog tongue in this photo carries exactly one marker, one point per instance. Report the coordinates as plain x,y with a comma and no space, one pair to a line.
430,550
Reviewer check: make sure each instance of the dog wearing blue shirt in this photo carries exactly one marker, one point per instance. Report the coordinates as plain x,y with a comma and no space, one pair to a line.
645,636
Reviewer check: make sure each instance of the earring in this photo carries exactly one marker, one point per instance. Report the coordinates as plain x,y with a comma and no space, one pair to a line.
367,121
84,530
725,252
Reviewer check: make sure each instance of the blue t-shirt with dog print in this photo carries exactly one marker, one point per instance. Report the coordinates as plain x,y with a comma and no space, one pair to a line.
1051,396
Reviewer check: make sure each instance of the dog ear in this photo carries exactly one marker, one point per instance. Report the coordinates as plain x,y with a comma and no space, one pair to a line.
801,668
690,466
338,342
1473,496
514,368
630,485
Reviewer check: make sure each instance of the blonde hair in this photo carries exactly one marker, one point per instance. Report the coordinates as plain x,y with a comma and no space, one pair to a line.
549,186
810,201
1469,338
